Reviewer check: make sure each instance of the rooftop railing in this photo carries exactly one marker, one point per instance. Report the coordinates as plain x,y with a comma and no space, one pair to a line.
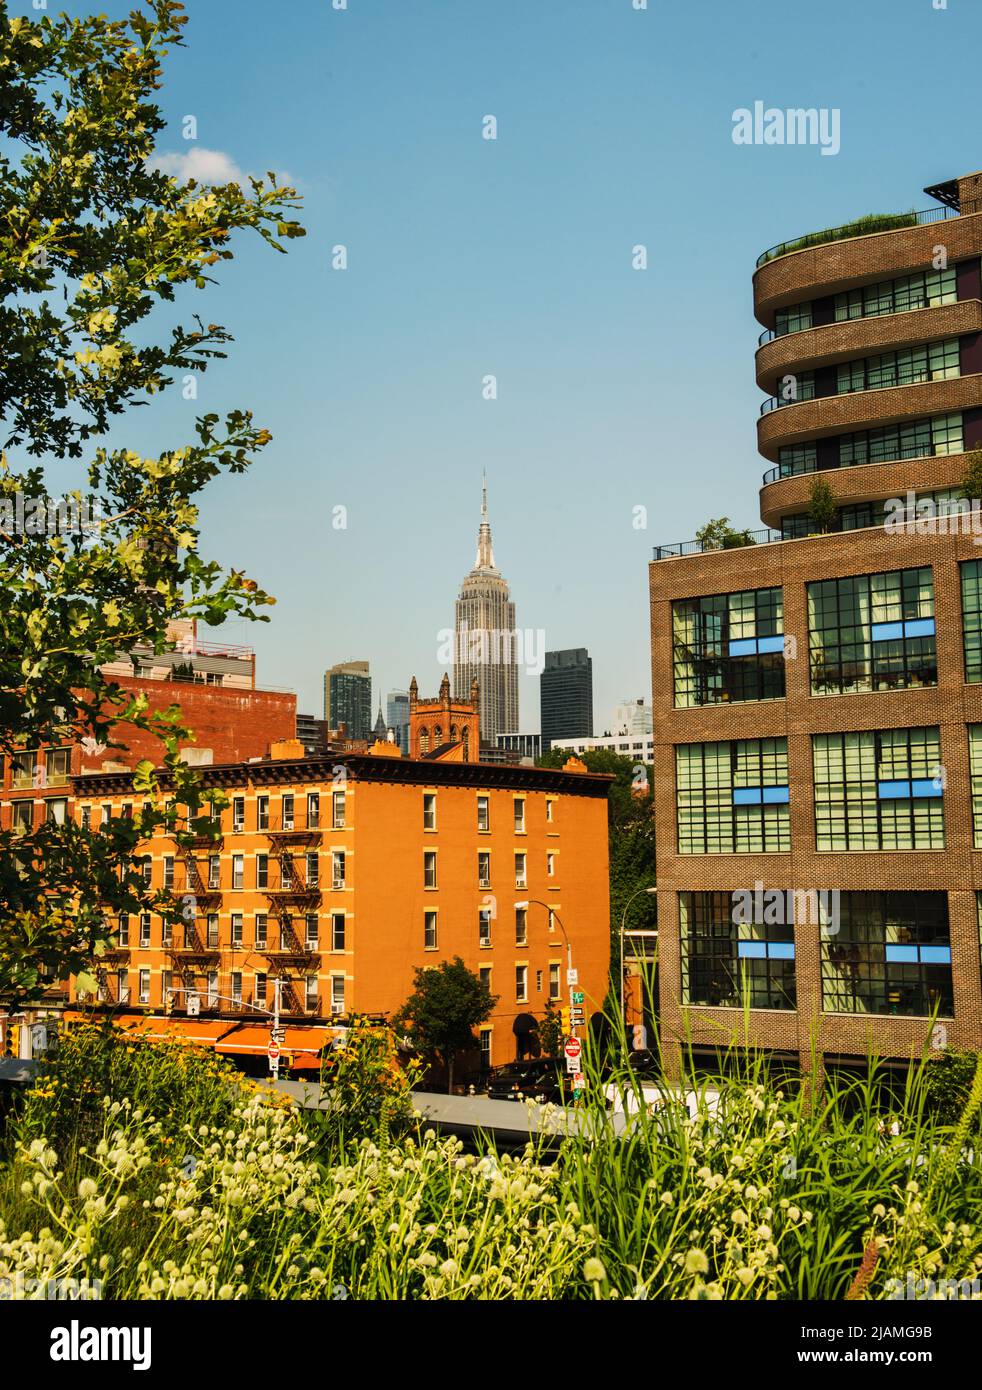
862,226
680,548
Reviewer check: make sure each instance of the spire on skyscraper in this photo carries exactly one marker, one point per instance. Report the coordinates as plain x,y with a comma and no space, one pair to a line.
485,554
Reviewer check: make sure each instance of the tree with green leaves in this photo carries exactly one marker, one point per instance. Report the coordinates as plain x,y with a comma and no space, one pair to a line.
447,1003
718,534
551,1031
822,508
92,241
972,476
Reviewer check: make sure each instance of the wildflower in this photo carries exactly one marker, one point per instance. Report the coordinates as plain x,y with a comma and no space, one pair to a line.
745,1275
594,1271
87,1188
696,1262
666,1199
739,1217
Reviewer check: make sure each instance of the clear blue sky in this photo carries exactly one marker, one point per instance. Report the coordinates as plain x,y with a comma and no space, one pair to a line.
617,387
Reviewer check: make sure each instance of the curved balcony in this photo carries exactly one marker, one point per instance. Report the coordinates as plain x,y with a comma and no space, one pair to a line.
801,421
832,343
866,482
834,265
862,226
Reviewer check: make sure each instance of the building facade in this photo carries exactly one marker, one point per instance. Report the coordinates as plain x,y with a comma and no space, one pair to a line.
397,717
340,876
487,645
818,711
348,699
639,747
566,696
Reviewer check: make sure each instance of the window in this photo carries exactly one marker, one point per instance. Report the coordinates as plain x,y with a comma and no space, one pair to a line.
337,802
235,986
168,871
550,864
733,798
262,812
729,647
484,926
337,994
521,926
144,930
732,957
891,954
520,870
483,869
929,362
313,810
56,810
975,776
880,790
22,817
519,815
554,982
312,937
144,986
538,982
144,869
484,975
429,868
212,989
549,805
262,870
337,869
106,815
794,459
262,928
311,996
920,291
429,810
483,814
337,931
214,872
123,929
872,632
485,1037
237,929
86,821
912,439
286,812
22,770
259,994
313,869
792,319
429,931
521,983
212,930
167,987
238,871
238,813
972,619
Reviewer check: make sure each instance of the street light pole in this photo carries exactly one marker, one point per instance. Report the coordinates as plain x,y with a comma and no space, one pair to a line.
569,951
623,926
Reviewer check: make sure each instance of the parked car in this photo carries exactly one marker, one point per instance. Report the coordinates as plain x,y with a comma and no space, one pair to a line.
537,1078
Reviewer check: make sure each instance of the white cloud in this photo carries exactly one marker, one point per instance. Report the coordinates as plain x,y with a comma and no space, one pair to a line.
206,166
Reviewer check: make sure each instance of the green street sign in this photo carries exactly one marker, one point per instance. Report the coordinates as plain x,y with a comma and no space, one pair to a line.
577,996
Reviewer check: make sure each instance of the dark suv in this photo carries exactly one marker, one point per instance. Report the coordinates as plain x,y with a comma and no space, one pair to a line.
538,1078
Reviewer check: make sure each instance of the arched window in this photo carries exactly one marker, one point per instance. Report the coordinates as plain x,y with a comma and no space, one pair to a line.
437,735
424,740
453,733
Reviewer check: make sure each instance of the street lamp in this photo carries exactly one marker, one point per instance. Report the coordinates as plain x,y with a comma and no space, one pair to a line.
527,902
623,925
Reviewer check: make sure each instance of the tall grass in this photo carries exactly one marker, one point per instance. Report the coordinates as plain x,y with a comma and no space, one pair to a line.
177,1179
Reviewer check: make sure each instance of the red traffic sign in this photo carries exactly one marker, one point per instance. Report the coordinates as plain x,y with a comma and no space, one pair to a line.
273,1052
573,1047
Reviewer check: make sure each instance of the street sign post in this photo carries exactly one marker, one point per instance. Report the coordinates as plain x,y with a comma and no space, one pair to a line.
273,1053
572,1048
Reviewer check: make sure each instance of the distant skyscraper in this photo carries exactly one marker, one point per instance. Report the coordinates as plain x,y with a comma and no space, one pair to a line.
397,717
348,698
566,696
486,639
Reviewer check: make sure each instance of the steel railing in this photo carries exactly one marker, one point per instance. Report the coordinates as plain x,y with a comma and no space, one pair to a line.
863,226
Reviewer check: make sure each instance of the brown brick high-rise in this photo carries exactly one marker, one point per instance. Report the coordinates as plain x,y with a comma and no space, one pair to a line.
818,698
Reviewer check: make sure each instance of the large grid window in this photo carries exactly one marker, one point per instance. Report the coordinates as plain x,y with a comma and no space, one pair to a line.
972,619
912,439
797,458
792,319
733,797
872,632
890,954
729,647
929,362
975,774
728,963
920,291
878,790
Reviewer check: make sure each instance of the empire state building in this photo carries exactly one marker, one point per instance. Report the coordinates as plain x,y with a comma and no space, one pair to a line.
487,643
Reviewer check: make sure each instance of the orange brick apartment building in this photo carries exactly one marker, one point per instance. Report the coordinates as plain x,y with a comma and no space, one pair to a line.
343,874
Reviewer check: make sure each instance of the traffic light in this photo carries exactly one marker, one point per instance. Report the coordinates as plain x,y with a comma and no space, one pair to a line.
566,1019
